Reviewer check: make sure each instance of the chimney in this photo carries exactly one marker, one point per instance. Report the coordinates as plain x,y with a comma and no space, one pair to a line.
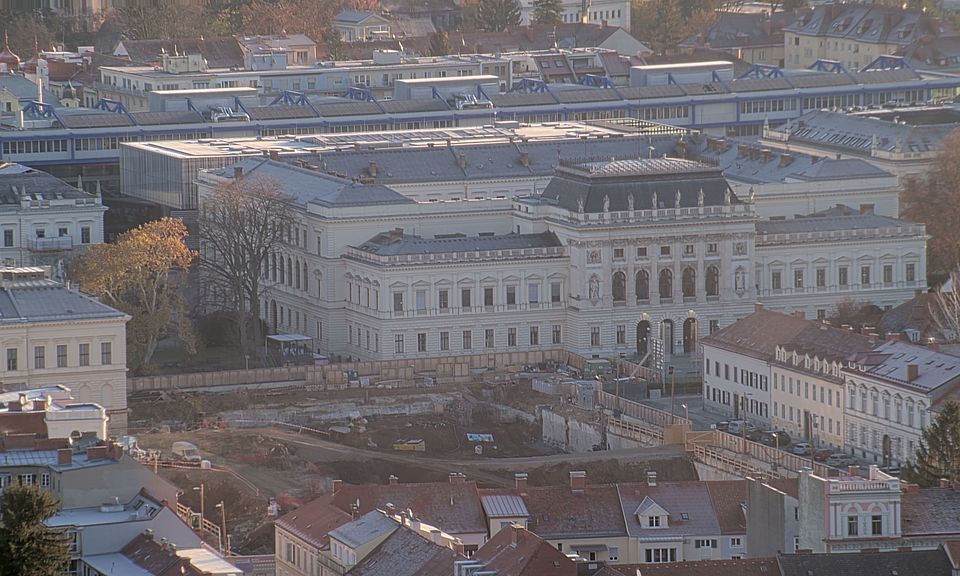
865,330
757,307
912,488
372,169
13,406
913,370
785,159
520,478
393,480
461,160
337,484
933,345
274,154
456,478
651,477
853,470
578,481
805,551
866,208
97,452
524,158
767,155
892,337
944,483
40,405
354,511
515,534
237,172
64,457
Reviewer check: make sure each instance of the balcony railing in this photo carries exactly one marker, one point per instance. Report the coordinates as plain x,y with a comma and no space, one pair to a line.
53,244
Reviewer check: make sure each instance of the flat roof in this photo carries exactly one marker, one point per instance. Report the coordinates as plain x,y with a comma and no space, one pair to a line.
196,91
449,79
683,65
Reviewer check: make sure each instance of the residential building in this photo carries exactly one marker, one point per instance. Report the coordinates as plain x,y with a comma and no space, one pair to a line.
741,567
853,34
151,554
217,51
515,551
445,14
565,36
44,220
296,50
51,413
603,12
302,542
754,37
407,552
17,91
56,335
892,392
361,26
938,54
915,321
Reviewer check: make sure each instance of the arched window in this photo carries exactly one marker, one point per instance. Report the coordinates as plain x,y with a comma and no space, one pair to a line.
666,284
688,284
289,271
305,286
643,285
273,266
619,286
712,283
282,275
297,280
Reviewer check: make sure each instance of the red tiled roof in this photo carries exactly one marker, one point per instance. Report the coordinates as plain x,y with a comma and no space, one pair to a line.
149,554
515,551
758,334
314,520
406,553
930,511
454,507
557,512
32,422
727,497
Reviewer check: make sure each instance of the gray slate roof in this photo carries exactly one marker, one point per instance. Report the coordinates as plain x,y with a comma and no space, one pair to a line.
364,529
33,183
310,186
49,301
389,244
860,133
24,89
405,553
890,359
678,499
826,222
593,181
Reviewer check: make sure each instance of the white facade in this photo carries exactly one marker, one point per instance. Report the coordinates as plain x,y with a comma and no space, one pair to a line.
611,12
736,384
889,397
807,397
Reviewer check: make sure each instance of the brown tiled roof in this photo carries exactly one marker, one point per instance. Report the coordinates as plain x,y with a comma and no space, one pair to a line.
953,552
557,512
914,314
743,567
314,520
930,511
515,551
789,486
906,563
758,334
535,37
32,423
454,507
727,497
406,553
148,554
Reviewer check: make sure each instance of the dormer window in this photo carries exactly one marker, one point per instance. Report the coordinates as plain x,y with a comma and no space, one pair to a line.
653,521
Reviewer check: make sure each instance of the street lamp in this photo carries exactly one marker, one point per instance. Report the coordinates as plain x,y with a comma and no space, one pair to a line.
201,491
223,528
686,412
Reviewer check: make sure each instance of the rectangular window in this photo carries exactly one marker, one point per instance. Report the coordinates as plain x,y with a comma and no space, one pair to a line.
842,276
853,527
911,272
621,334
533,293
821,277
85,235
421,300
876,525
61,232
534,335
7,238
45,479
488,341
39,357
595,336
398,301
488,296
555,292
11,359
444,340
712,248
106,353
511,336
84,354
714,326
688,249
798,278
511,295
775,282
864,275
888,274
443,299
618,253
641,251
61,356
467,339
465,298
421,341
664,250
556,334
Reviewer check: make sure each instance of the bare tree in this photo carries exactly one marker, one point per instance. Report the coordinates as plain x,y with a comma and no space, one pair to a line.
241,223
945,307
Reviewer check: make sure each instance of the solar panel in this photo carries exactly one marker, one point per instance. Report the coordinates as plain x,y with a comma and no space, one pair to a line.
156,118
588,95
104,120
401,106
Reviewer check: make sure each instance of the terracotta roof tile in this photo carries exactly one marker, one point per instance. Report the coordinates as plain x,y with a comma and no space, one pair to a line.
557,512
758,334
515,551
728,497
314,520
743,567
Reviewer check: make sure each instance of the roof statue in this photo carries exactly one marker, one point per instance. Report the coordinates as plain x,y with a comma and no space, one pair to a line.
606,203
700,198
676,200
630,202
654,200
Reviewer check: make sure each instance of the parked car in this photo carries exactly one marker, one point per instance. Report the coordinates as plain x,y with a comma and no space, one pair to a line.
723,426
801,449
822,455
839,460
739,427
775,438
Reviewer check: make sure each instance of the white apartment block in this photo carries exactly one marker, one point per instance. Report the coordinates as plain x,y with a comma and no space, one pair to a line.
44,220
52,335
605,12
891,395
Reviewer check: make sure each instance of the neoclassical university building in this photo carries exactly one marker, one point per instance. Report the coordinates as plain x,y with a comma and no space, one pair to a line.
609,257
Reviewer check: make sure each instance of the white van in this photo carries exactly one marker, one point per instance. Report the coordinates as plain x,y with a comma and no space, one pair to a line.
185,451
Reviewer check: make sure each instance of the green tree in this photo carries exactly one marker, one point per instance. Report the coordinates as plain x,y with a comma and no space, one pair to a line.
547,12
938,454
439,43
497,15
27,546
335,48
659,23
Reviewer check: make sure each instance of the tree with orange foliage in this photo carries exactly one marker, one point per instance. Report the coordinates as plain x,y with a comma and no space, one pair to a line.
143,274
